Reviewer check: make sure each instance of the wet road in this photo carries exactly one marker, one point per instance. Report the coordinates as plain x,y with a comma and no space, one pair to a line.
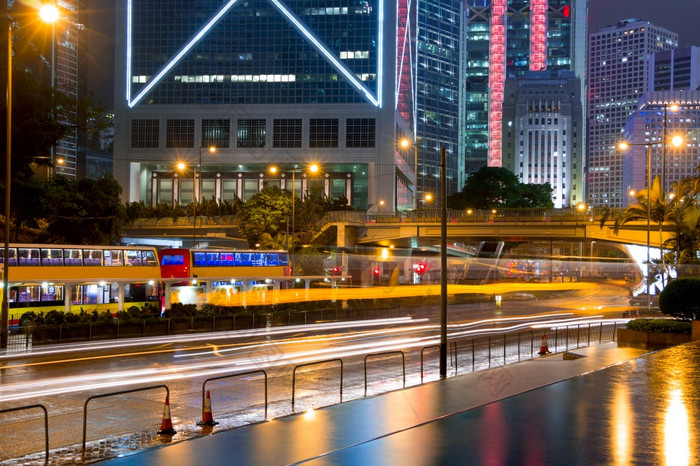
62,378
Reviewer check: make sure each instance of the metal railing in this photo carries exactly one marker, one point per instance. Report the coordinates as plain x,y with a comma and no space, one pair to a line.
46,422
232,376
325,361
387,353
152,387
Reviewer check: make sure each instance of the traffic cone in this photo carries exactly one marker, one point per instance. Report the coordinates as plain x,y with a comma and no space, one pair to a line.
543,345
166,426
207,418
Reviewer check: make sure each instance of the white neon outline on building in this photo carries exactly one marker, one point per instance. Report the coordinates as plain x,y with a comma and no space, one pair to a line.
174,61
339,66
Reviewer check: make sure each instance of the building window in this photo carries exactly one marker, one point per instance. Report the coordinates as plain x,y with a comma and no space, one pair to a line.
216,133
287,132
323,132
251,133
180,134
360,132
145,134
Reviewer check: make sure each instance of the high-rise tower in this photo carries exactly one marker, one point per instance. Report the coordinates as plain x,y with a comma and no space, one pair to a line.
618,76
507,38
286,83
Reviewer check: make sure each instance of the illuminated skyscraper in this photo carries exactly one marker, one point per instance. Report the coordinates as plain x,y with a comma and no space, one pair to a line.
618,76
507,38
337,83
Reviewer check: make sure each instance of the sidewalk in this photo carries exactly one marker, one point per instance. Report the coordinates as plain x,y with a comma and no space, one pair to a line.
410,425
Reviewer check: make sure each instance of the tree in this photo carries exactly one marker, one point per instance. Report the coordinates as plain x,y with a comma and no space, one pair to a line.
83,212
265,212
681,298
498,187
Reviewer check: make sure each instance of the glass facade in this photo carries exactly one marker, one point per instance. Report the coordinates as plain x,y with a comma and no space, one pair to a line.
253,54
518,41
437,97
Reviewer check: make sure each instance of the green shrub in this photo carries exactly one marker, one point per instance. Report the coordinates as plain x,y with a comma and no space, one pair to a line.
660,325
681,298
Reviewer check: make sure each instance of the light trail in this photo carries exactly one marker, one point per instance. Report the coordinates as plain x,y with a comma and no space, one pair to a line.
210,336
247,361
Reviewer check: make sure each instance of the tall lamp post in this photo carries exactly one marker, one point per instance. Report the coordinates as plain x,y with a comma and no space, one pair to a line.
5,314
443,265
405,143
676,141
313,168
197,193
49,14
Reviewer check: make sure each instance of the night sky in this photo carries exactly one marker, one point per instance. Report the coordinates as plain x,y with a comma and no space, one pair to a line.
681,16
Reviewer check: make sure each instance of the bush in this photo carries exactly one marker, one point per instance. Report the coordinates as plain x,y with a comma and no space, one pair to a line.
681,298
660,325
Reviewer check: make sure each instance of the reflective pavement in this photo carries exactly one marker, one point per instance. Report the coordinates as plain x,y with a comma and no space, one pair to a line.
615,405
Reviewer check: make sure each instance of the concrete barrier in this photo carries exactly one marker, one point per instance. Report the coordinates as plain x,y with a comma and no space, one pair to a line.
652,340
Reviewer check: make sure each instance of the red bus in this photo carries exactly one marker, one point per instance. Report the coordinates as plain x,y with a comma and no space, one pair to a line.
222,263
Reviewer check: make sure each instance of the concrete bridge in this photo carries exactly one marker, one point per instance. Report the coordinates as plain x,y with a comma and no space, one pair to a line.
415,228
401,229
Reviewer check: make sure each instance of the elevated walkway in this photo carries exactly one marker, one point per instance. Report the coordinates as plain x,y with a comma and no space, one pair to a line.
552,410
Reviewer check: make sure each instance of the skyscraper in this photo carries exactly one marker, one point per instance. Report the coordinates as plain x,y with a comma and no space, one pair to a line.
266,82
507,38
67,78
543,133
675,69
618,75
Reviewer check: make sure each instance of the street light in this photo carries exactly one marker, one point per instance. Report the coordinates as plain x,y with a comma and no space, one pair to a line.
5,313
49,14
673,108
676,141
405,143
197,194
313,168
443,264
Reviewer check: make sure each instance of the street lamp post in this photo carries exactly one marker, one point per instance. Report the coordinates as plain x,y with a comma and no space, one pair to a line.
5,313
313,168
405,143
443,265
49,14
197,193
676,141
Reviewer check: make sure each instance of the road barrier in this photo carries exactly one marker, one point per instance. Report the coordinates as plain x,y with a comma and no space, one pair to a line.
294,376
386,353
104,395
46,422
421,358
261,371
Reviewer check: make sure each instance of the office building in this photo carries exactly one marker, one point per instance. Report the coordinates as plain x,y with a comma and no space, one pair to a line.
543,133
286,84
659,114
618,75
675,70
508,38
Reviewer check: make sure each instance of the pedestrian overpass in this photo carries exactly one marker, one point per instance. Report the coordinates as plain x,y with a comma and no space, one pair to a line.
402,229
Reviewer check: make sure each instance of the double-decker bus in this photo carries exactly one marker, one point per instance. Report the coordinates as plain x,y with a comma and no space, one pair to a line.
222,263
42,277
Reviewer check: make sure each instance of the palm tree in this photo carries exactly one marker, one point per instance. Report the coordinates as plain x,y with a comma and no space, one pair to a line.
685,215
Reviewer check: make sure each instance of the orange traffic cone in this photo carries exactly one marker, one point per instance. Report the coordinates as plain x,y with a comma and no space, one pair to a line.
166,426
543,345
207,418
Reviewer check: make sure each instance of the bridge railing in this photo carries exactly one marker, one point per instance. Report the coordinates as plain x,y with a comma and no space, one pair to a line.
469,216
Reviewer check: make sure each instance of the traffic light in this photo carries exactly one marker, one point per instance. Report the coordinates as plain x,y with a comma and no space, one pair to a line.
376,271
420,268
336,270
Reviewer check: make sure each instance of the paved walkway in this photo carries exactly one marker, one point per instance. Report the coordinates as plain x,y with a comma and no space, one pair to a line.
536,412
